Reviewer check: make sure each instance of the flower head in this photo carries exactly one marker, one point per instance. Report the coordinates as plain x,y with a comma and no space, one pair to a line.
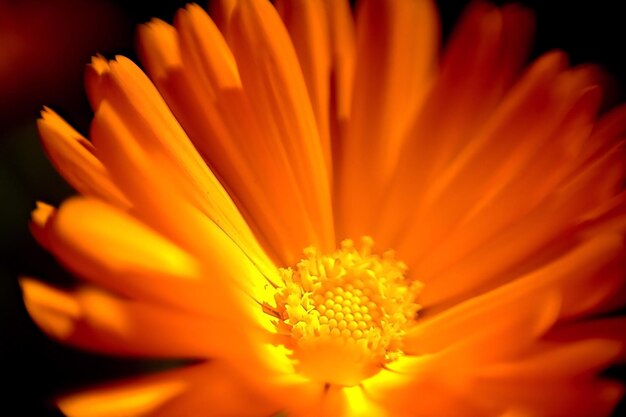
337,221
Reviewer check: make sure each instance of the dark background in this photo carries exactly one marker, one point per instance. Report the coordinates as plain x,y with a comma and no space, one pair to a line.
61,36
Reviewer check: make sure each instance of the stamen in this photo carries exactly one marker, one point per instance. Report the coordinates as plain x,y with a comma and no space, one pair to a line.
346,312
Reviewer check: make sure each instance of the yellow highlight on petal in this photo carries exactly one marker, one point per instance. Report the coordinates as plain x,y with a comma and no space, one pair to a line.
346,313
124,401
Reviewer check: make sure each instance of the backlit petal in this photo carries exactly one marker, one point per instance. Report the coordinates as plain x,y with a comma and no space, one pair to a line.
396,43
274,84
99,321
163,147
74,157
170,393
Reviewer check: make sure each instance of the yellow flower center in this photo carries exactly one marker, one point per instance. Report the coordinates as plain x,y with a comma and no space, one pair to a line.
346,313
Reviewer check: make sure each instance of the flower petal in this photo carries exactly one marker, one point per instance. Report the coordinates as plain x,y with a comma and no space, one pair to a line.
101,322
396,391
153,137
221,11
358,404
134,262
74,157
124,401
341,402
560,362
39,218
461,321
611,330
342,43
206,68
396,45
545,398
507,335
306,22
273,83
507,199
548,230
584,297
483,58
179,219
270,371
250,171
498,153
179,392
142,264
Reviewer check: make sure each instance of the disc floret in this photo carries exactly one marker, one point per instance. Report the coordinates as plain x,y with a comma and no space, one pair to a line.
346,312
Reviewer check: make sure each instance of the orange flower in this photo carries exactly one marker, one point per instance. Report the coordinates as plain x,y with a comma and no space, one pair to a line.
218,205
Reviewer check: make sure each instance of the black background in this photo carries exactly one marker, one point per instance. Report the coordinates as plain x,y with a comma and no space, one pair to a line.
33,368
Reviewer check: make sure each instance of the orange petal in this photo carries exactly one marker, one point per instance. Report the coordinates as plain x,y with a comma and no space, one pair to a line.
609,128
343,54
129,401
203,89
216,126
396,391
206,389
506,336
523,176
556,362
482,60
611,330
132,95
358,404
202,43
108,246
583,297
155,181
270,371
159,50
73,156
215,389
273,82
94,82
98,321
39,219
454,191
112,249
342,402
561,214
396,46
221,11
565,398
307,24
541,285
165,149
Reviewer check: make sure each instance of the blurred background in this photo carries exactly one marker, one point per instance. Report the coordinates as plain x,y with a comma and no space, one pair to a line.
44,47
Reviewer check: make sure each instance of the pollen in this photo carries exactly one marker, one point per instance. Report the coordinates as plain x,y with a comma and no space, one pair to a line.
345,313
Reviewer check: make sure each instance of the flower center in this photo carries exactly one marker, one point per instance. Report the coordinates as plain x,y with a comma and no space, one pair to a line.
346,313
